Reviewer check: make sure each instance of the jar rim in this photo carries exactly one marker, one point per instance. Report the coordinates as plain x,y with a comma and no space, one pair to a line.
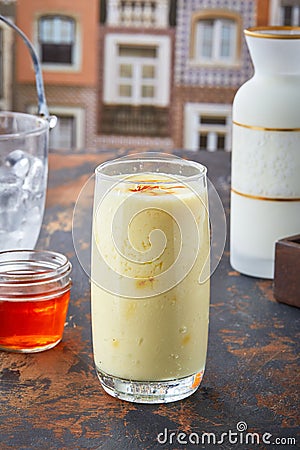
52,261
273,32
26,269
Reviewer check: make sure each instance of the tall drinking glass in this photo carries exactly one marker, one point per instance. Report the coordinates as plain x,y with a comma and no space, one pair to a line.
23,178
150,277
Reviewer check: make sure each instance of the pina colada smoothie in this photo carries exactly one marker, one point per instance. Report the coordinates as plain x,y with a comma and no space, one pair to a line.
150,279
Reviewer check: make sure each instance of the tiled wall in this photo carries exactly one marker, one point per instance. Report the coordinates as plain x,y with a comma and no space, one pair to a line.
185,74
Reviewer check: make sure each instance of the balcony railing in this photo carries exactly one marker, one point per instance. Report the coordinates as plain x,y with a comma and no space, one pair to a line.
128,120
138,13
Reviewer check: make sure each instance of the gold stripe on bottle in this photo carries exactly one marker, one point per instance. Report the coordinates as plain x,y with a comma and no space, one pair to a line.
266,32
255,127
269,199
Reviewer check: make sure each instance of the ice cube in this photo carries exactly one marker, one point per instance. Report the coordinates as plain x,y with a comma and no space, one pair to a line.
11,219
31,226
34,181
13,157
10,189
35,216
19,162
11,207
11,240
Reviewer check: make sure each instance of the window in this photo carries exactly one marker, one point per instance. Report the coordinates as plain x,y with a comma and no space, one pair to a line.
137,67
215,39
56,36
62,136
285,12
69,130
137,70
207,127
68,133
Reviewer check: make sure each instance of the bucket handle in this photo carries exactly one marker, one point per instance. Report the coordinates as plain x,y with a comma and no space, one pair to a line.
42,104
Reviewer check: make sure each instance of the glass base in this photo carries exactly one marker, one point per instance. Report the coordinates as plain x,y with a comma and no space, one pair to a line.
41,348
150,391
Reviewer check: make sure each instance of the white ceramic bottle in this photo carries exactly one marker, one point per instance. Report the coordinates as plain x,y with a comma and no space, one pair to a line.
265,197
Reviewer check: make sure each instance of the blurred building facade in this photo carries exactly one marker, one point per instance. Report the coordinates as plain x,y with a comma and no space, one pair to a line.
212,61
65,35
137,74
135,86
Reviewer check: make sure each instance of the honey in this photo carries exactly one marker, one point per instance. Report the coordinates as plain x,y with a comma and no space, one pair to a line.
34,298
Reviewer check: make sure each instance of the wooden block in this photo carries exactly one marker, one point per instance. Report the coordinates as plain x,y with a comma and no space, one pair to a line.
287,271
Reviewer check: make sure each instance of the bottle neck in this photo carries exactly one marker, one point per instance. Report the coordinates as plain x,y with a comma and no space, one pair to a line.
274,57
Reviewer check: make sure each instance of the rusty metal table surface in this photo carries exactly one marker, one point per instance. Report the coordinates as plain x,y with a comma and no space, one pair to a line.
53,399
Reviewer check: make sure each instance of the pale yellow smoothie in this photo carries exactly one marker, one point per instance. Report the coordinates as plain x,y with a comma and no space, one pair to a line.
150,279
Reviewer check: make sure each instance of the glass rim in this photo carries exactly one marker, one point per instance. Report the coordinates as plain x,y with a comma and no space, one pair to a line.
44,125
150,157
273,32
